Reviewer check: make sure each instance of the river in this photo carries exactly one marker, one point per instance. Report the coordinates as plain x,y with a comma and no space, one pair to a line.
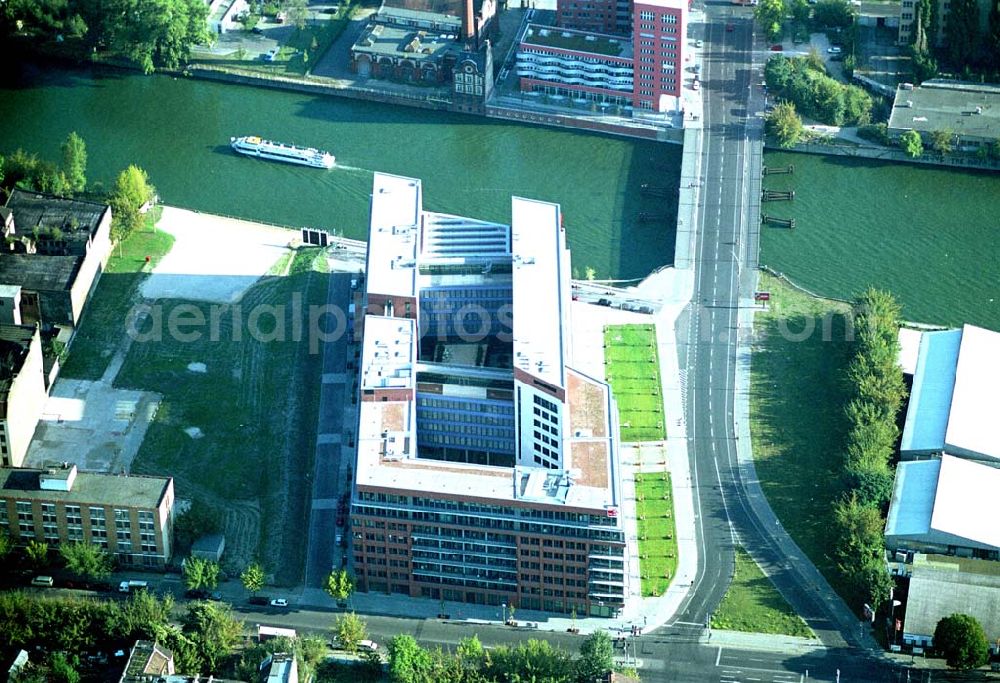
178,130
928,234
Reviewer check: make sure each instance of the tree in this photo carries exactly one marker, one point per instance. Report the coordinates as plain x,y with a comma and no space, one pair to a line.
86,560
298,13
962,641
828,101
535,660
470,653
784,125
214,629
961,32
408,662
769,14
37,553
200,573
252,578
132,190
198,520
941,141
597,656
857,106
911,143
339,585
801,10
143,615
61,670
157,32
833,14
349,630
5,544
74,162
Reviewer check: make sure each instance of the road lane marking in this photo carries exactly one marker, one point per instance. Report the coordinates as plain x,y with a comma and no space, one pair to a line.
718,656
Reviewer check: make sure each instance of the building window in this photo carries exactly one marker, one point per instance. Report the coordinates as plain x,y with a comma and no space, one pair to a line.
647,16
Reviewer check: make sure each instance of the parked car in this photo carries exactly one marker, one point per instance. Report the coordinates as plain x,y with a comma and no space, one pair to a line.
698,43
257,30
259,600
43,581
279,602
776,47
696,86
834,50
367,645
730,28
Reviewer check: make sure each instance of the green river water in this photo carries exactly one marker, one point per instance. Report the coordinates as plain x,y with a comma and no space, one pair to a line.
179,130
928,234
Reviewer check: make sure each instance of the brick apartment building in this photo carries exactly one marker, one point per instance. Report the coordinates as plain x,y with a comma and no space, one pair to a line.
639,64
487,468
130,516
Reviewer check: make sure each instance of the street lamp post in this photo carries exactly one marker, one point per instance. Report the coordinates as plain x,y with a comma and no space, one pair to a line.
504,613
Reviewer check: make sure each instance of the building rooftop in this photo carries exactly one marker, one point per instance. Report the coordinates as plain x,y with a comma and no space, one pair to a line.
90,488
39,272
15,343
147,658
425,12
951,501
930,398
577,41
388,353
75,218
392,236
418,45
909,349
941,586
967,109
539,260
973,426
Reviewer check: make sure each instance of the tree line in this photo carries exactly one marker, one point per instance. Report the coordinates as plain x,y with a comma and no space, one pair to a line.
128,197
804,82
878,391
149,33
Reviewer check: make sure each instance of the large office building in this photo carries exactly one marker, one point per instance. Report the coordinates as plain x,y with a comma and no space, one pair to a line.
487,468
130,516
639,64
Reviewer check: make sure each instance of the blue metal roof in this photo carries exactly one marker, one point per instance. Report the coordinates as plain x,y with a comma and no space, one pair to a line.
930,398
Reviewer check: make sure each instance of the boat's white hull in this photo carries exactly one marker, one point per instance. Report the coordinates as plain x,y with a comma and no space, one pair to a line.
286,154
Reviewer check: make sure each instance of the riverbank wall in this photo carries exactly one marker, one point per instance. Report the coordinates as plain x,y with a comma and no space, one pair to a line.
671,135
892,155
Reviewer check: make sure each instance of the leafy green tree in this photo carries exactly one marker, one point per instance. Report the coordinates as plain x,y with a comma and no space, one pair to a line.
252,578
158,33
471,653
408,662
349,630
37,553
962,641
142,616
800,10
857,106
770,14
87,560
911,143
994,149
74,162
214,629
597,656
961,32
200,573
132,190
298,13
6,545
534,660
833,14
197,521
339,585
61,670
784,125
828,101
941,141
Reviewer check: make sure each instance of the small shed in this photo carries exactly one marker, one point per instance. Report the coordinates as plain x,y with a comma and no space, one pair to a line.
209,547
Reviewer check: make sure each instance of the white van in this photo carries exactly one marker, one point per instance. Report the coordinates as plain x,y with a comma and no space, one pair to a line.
367,645
43,581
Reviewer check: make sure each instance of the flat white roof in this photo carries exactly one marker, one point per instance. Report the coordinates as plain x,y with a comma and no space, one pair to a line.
974,424
539,256
930,399
909,349
388,353
392,236
666,4
966,503
949,496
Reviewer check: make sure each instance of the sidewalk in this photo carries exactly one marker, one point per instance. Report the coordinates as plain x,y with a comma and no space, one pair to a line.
765,642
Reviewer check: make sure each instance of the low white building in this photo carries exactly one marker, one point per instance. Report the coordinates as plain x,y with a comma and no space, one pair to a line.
955,394
946,505
224,15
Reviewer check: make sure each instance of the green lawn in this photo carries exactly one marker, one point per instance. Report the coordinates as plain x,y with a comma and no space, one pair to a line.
254,406
632,367
104,316
657,542
753,604
797,422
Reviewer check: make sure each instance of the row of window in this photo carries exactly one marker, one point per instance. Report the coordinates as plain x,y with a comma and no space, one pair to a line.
484,509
